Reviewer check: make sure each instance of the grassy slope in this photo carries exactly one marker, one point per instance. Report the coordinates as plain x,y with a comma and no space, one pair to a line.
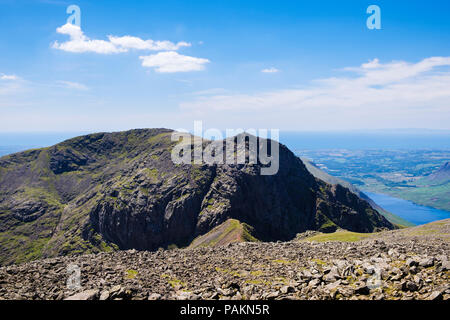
228,232
59,229
340,235
437,228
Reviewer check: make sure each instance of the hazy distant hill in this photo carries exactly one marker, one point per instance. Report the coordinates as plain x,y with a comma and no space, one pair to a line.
432,190
441,176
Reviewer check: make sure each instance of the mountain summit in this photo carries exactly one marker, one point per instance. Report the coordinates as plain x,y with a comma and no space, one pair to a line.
107,191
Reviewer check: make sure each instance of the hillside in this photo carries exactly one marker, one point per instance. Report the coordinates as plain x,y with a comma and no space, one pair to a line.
432,190
230,231
417,175
322,175
404,264
441,176
110,191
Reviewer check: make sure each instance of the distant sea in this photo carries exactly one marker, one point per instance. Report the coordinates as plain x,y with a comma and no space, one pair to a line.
426,139
365,140
16,142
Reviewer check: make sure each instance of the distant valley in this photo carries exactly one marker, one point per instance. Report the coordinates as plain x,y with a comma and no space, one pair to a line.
421,176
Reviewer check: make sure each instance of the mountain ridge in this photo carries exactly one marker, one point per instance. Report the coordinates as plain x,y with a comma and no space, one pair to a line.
109,191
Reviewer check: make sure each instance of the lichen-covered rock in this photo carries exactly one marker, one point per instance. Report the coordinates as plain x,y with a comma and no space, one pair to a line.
298,269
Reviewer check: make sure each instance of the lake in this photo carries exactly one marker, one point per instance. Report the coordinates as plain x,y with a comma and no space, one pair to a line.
408,210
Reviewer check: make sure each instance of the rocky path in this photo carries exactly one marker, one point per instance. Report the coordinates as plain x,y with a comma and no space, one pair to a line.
404,264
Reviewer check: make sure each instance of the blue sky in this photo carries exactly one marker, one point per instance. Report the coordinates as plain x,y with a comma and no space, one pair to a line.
329,71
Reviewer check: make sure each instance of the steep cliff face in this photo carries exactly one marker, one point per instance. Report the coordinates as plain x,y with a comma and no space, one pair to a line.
121,190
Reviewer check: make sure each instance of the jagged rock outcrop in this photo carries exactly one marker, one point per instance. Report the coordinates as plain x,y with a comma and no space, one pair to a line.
110,191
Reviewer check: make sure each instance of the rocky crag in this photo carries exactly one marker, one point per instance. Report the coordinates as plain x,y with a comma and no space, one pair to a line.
402,264
109,191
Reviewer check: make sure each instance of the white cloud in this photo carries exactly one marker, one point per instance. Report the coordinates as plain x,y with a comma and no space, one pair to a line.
129,42
79,43
171,61
270,70
72,85
163,62
372,64
376,94
11,77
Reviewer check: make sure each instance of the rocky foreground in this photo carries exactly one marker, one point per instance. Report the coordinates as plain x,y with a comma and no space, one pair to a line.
403,264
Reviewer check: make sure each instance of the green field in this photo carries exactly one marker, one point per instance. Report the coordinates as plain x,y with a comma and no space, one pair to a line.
399,173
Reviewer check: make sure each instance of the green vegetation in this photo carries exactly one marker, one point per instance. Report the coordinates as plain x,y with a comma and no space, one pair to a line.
396,220
260,282
405,174
131,274
231,272
324,223
319,262
432,196
176,283
41,194
21,248
247,231
256,273
343,236
230,231
152,174
281,261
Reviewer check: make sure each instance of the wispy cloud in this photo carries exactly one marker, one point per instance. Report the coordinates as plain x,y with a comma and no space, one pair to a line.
129,42
397,91
212,91
10,77
72,85
10,84
171,61
270,70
